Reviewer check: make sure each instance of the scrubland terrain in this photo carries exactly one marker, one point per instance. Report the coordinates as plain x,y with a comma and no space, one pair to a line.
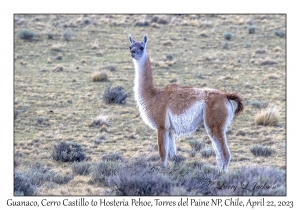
58,99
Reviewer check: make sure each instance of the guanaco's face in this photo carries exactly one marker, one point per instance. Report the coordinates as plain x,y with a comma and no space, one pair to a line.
137,49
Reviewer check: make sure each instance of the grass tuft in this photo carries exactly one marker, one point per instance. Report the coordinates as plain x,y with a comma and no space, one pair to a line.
267,117
100,120
99,76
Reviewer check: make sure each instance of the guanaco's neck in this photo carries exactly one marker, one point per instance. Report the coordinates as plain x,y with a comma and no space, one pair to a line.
143,84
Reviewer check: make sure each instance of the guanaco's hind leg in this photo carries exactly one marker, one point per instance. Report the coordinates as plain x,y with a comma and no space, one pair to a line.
217,117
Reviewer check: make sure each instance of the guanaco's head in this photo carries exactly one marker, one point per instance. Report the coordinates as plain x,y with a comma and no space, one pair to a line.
138,49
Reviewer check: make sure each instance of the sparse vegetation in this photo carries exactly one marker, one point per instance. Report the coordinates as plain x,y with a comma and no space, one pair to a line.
104,169
259,150
16,113
257,104
68,152
112,157
227,36
279,33
267,116
40,119
225,45
115,95
63,92
62,179
81,168
136,178
197,145
251,29
26,34
22,185
100,120
245,176
207,152
67,35
50,35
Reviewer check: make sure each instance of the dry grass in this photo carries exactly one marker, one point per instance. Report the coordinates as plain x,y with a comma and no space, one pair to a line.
99,76
100,120
268,116
69,100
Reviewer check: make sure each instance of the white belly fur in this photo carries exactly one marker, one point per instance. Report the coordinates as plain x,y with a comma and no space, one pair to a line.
187,122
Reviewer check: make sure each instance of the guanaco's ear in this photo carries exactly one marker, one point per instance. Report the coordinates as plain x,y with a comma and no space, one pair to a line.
131,39
145,39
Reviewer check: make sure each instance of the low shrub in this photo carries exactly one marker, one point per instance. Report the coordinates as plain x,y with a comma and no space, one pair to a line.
279,33
227,36
68,152
259,150
112,157
249,182
115,95
197,145
137,178
207,152
104,169
62,179
22,185
251,29
26,34
81,168
67,35
39,174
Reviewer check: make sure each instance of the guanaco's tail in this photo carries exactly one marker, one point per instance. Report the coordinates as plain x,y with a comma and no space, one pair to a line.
235,97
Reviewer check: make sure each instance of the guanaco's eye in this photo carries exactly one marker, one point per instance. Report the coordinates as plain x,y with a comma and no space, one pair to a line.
141,48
